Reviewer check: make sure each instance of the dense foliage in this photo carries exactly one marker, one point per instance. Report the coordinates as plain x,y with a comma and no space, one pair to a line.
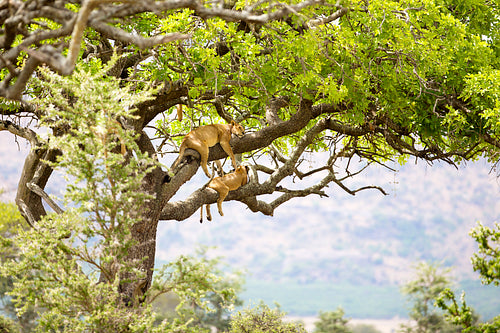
332,321
11,223
72,264
486,263
262,319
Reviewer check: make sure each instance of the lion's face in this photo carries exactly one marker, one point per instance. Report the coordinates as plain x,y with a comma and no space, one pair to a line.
238,130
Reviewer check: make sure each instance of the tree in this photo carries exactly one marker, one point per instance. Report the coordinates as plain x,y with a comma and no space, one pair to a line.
423,291
262,319
368,81
486,263
332,322
73,261
218,315
11,223
364,328
7,325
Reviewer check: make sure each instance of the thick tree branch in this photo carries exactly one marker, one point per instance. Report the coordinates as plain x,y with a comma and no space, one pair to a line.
37,172
34,175
16,90
272,108
26,133
97,14
324,20
267,135
134,39
41,193
258,205
164,99
248,194
26,213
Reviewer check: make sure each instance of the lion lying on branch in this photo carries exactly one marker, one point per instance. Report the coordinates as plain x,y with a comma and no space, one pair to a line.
223,185
204,137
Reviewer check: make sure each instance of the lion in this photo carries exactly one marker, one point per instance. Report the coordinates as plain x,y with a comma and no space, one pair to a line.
223,185
204,137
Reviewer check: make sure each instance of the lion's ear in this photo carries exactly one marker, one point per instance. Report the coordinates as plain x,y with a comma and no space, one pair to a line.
233,122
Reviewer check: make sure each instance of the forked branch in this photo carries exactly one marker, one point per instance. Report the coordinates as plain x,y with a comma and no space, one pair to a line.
248,194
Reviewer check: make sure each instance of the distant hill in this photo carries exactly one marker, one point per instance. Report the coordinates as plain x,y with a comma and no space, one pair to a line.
355,251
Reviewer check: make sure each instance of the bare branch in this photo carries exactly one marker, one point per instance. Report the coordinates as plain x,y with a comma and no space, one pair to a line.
181,210
263,168
139,41
26,213
258,205
38,190
324,20
353,192
289,194
289,166
23,132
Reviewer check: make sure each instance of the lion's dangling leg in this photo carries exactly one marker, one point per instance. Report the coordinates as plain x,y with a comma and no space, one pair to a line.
182,148
217,169
203,150
222,195
209,215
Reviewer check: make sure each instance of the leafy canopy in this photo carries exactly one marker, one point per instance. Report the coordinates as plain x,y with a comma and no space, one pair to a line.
428,67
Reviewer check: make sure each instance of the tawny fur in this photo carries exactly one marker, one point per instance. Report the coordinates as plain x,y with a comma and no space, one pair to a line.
223,185
179,112
204,137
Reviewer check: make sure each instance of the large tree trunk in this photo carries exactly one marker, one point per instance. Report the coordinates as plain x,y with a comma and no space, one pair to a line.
144,232
37,172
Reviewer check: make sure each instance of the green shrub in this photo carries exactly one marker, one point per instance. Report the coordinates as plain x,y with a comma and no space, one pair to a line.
262,319
7,325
